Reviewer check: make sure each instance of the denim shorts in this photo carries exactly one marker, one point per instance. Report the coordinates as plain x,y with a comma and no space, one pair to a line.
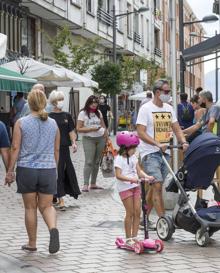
36,180
153,165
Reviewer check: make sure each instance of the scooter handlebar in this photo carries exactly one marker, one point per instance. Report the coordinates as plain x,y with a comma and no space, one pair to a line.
146,180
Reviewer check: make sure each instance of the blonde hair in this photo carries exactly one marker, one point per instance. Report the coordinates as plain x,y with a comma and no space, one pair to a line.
37,102
38,86
55,96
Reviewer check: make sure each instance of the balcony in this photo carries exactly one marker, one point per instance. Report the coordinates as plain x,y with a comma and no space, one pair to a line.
105,17
157,52
137,38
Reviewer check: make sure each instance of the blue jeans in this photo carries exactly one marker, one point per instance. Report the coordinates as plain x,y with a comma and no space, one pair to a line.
153,165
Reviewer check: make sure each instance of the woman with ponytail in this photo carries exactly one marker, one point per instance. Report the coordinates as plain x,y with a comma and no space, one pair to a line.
91,125
35,148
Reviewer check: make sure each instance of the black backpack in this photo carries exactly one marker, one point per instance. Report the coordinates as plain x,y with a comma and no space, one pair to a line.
186,113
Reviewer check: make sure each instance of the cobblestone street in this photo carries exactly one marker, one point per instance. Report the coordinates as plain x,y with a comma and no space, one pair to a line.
88,229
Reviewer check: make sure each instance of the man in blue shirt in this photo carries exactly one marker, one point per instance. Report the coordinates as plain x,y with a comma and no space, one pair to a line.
185,112
4,144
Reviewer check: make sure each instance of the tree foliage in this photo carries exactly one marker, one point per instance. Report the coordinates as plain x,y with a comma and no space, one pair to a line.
131,66
109,77
78,58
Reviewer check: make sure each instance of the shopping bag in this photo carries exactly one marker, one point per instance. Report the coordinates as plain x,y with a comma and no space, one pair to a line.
107,160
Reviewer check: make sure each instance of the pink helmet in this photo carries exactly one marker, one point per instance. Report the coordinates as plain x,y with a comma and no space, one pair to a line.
127,139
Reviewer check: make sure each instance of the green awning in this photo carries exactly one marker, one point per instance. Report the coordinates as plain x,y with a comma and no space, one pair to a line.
13,81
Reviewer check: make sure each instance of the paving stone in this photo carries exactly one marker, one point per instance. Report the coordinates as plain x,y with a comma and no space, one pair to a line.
87,245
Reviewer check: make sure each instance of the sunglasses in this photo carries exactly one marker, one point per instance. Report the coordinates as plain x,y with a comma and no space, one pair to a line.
167,91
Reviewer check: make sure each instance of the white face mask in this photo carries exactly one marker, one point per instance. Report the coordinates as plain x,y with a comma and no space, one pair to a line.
164,98
60,104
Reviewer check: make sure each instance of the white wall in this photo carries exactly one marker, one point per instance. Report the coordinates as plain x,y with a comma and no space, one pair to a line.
84,93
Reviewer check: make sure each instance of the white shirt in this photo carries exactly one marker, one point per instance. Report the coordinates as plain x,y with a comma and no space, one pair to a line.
92,122
128,170
158,121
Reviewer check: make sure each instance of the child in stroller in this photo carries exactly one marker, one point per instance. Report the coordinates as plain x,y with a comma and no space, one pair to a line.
199,166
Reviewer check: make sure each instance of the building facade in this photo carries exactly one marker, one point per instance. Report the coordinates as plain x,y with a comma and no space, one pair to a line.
194,74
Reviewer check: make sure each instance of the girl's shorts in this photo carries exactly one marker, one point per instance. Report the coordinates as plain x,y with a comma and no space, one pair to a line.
135,193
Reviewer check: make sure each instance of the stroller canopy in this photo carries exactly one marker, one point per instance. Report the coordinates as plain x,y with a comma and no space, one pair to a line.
201,161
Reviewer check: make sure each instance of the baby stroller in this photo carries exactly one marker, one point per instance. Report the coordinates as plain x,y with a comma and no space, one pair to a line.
199,166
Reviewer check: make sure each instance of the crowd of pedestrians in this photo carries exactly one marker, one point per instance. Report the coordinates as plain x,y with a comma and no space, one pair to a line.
43,134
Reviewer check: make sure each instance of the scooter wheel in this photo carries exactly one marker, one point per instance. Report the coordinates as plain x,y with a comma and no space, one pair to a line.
119,242
138,248
160,246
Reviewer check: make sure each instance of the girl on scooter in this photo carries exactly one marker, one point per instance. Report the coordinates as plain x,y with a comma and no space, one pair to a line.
128,172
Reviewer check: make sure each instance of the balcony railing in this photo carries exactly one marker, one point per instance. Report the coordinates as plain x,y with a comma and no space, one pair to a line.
157,52
137,38
105,17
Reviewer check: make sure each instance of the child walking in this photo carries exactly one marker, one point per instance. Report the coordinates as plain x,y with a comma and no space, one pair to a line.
128,172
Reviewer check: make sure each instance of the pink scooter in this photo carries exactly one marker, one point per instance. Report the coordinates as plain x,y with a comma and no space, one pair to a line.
147,245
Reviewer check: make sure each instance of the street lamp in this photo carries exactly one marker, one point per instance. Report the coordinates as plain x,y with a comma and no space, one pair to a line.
182,24
114,25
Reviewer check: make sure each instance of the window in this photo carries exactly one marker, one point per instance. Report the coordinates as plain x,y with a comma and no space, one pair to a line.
120,20
157,4
136,23
76,2
10,20
142,30
29,36
129,21
90,6
157,38
167,31
107,5
147,34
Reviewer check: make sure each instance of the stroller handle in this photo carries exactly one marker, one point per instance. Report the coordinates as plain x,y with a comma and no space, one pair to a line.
179,146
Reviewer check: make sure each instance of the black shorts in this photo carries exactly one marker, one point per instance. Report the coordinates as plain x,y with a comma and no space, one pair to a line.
36,180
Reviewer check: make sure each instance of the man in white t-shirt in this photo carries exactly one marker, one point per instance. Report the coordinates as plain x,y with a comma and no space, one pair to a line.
155,123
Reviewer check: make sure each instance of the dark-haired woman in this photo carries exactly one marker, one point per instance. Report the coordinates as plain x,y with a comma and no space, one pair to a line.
91,125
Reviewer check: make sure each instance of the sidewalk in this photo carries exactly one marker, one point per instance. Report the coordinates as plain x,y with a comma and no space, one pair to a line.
87,231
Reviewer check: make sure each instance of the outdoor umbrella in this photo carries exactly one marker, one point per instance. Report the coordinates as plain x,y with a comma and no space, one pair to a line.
76,78
138,96
12,81
48,75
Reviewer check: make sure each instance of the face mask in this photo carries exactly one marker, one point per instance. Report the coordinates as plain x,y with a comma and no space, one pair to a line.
164,98
92,110
60,104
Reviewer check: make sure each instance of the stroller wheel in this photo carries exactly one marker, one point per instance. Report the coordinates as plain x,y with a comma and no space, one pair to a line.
202,240
165,228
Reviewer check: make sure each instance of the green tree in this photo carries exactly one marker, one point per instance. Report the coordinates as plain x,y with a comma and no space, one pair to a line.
131,66
109,77
78,58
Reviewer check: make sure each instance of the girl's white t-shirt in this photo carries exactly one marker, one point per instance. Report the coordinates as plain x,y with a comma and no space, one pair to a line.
129,170
92,122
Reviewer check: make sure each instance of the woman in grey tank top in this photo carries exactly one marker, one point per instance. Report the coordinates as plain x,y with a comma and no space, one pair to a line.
35,148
